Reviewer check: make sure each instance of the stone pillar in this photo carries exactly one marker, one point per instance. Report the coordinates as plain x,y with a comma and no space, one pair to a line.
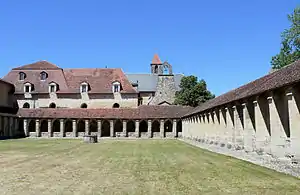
249,131
229,135
124,128
87,127
111,128
162,129
278,136
16,126
238,139
174,128
294,121
11,127
25,125
49,128
149,129
62,128
223,126
74,125
37,128
99,126
137,128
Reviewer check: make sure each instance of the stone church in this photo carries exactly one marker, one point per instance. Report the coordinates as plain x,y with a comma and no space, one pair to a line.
46,85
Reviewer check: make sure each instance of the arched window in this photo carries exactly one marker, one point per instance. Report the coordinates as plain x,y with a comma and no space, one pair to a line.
116,87
44,76
26,105
84,105
52,105
22,76
84,88
156,69
116,105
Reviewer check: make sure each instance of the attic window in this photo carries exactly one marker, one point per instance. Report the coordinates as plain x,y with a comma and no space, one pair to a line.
52,87
44,76
116,87
27,87
84,88
22,76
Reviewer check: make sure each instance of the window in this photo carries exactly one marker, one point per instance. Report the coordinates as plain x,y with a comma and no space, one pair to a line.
26,105
22,76
84,88
116,105
116,87
27,89
52,88
156,69
84,105
43,76
52,105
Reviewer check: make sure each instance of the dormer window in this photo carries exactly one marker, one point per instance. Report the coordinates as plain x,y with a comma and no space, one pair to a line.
22,76
84,87
52,87
116,87
44,76
28,87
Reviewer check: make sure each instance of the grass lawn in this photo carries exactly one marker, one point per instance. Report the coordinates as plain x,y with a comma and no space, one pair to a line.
30,166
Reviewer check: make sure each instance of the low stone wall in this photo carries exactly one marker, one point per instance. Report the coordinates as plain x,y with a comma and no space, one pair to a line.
288,165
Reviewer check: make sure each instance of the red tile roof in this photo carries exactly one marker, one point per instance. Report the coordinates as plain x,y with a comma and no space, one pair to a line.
156,60
69,80
280,78
142,112
40,65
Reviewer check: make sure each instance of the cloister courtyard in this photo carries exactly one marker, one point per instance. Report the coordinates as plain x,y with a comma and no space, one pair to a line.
119,166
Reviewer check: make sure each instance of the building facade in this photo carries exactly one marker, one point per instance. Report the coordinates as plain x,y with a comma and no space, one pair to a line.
45,85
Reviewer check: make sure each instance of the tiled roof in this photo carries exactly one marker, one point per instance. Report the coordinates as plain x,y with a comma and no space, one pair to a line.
142,112
40,65
280,78
156,60
69,80
8,83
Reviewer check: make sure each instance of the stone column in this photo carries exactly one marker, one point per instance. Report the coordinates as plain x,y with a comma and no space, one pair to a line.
37,128
74,125
99,126
16,126
149,129
87,127
25,125
249,131
137,128
174,128
111,128
62,128
124,128
223,125
230,137
294,121
11,127
162,129
238,127
49,128
278,136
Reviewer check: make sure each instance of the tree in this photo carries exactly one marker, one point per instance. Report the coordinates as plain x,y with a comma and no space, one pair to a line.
192,92
290,44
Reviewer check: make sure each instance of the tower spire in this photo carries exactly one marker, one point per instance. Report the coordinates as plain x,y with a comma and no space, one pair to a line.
156,60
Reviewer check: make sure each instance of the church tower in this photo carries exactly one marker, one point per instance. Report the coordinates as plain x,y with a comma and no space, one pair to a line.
156,65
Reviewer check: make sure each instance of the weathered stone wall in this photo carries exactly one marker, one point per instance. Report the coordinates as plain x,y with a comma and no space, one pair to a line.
266,124
165,90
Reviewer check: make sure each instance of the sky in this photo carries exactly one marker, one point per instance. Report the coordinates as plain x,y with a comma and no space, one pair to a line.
226,43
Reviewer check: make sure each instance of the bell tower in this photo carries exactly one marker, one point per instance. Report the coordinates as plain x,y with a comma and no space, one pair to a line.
156,65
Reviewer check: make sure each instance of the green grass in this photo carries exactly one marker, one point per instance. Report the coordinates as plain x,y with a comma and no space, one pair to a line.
44,166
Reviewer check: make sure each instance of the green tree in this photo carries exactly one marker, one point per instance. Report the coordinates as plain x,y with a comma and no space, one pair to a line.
192,92
290,44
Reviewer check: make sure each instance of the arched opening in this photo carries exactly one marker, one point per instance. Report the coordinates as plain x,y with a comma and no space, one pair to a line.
143,126
130,127
155,126
118,126
44,126
105,129
116,105
68,126
52,105
26,105
56,126
81,126
84,105
93,126
168,127
179,128
31,126
156,69
21,128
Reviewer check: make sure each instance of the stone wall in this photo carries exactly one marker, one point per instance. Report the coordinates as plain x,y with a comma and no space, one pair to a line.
165,90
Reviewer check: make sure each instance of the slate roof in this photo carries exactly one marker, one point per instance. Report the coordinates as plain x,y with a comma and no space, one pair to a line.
69,80
280,78
142,112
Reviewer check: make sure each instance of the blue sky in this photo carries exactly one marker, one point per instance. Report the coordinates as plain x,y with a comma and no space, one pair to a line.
227,43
